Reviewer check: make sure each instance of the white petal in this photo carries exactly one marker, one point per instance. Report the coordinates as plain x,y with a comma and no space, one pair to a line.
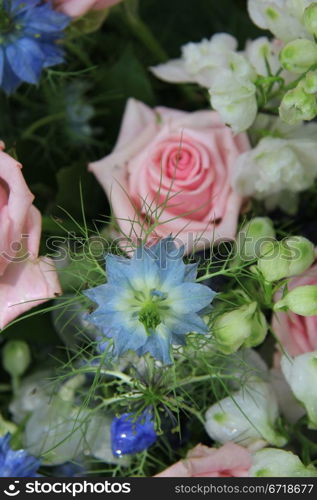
173,71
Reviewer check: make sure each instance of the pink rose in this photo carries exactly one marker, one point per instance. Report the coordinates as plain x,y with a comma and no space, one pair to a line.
25,279
176,166
231,460
77,8
297,334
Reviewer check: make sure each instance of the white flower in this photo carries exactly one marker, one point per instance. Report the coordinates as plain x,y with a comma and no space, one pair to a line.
271,462
228,75
301,374
291,409
247,417
198,60
284,18
263,51
277,165
234,97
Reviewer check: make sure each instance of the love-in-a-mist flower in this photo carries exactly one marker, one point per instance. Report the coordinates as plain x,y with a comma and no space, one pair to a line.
29,32
151,301
16,463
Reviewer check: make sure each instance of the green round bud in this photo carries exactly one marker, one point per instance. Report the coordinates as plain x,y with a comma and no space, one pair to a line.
310,18
301,300
298,105
259,330
252,236
283,259
16,357
242,326
299,55
309,83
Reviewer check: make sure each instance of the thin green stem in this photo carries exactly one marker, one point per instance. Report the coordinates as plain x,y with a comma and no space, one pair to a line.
41,123
141,31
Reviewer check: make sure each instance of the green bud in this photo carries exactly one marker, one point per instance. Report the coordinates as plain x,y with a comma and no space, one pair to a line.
259,330
298,105
16,357
301,300
283,259
299,55
309,83
242,326
251,237
310,18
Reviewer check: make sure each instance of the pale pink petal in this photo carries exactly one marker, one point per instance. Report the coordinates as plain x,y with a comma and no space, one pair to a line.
178,469
25,285
77,8
13,212
137,117
231,460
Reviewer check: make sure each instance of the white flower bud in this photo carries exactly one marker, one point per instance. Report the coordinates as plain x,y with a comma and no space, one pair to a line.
310,18
298,105
247,417
286,258
243,326
301,374
271,462
301,300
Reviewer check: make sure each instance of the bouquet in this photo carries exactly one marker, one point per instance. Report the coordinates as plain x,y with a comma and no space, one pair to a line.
158,274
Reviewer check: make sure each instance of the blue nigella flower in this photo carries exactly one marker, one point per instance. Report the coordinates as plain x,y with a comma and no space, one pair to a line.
29,30
151,301
16,463
130,435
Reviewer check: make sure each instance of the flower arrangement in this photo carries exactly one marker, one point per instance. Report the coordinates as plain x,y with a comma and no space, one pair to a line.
158,286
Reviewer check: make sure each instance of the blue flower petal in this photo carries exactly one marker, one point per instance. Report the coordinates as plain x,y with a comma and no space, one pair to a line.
132,436
53,55
159,345
118,269
190,298
127,340
16,463
10,81
191,272
187,323
19,6
30,45
25,59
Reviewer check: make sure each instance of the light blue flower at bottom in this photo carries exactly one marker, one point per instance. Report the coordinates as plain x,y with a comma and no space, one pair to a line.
150,301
